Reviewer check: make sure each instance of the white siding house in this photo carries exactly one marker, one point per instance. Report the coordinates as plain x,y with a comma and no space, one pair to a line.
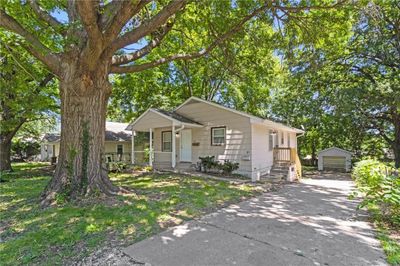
334,159
200,128
117,144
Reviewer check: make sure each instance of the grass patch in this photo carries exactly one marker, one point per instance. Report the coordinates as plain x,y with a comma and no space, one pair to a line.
388,234
30,235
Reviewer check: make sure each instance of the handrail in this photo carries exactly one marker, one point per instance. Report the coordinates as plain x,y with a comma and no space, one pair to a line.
288,155
282,154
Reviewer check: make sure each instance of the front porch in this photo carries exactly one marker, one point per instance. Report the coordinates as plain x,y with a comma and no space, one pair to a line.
168,140
286,160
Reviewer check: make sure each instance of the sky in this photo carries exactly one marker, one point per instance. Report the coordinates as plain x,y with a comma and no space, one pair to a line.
62,16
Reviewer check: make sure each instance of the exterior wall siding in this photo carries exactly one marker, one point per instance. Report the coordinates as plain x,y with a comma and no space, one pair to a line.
237,146
262,156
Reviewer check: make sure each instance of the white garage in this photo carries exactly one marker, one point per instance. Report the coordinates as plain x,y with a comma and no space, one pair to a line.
334,159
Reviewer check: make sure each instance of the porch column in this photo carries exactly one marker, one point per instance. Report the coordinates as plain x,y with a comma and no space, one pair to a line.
133,147
173,153
151,147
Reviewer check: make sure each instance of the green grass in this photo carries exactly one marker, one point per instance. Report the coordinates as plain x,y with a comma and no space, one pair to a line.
30,235
384,229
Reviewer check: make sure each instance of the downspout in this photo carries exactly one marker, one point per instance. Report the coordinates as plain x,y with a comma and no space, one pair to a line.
179,129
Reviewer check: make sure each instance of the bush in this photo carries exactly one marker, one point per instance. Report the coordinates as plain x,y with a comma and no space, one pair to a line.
381,186
208,163
228,167
117,167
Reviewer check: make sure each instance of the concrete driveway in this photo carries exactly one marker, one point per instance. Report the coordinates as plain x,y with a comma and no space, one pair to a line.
308,223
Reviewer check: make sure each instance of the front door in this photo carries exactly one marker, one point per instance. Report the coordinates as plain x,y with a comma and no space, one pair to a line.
186,145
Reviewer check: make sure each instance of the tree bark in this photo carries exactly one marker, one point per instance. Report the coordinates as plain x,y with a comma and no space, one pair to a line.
5,153
80,169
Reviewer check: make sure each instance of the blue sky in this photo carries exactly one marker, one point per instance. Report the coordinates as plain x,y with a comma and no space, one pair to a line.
62,16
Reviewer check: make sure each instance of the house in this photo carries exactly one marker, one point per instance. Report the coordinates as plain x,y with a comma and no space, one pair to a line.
334,159
117,144
200,128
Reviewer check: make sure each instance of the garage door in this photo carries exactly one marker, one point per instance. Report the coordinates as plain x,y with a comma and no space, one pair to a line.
334,162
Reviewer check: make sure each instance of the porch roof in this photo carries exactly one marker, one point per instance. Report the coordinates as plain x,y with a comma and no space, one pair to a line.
156,118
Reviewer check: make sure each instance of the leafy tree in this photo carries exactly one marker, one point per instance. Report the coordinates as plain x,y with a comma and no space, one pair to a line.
92,43
237,74
347,91
27,94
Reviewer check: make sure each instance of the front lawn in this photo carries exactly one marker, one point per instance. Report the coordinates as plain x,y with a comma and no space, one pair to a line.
69,232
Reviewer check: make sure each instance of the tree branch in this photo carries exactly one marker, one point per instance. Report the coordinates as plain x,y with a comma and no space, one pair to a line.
35,47
215,43
117,14
156,41
43,15
295,9
88,12
148,27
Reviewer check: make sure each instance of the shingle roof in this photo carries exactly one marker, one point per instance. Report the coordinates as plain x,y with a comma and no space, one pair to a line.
114,132
51,137
177,116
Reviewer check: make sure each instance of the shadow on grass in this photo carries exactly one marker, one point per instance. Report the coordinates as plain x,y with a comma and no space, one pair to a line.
51,236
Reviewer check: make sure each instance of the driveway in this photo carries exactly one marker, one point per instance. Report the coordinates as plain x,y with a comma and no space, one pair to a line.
308,223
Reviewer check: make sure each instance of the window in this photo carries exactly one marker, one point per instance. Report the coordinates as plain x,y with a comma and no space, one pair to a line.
217,136
270,140
282,138
166,139
120,149
288,139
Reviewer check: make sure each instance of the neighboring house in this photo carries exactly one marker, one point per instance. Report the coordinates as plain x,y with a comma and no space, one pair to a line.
199,128
334,159
117,144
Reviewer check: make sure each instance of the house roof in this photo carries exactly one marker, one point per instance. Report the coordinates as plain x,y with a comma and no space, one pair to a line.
51,137
177,116
162,116
335,148
253,118
114,132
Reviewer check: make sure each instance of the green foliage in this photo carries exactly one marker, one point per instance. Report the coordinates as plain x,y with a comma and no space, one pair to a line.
209,163
380,186
25,148
117,167
31,234
389,244
228,167
24,95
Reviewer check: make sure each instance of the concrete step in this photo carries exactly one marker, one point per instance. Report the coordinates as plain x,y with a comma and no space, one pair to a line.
280,170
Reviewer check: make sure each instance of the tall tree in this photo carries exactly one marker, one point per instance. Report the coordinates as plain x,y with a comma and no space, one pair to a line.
27,94
237,74
352,82
83,52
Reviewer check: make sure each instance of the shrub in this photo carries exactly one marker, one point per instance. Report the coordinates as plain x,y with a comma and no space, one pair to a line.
208,162
117,167
228,167
381,186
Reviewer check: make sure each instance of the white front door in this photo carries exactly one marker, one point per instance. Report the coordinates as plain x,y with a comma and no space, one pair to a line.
186,145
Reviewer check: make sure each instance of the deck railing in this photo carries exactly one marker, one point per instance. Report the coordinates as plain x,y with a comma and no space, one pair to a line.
282,154
288,155
117,157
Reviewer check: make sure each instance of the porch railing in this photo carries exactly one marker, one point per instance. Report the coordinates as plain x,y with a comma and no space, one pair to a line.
117,157
288,155
282,155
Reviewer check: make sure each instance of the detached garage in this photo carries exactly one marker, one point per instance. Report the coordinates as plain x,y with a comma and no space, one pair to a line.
334,159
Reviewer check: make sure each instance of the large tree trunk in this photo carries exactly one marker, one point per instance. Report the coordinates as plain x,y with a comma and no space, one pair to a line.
80,169
5,153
